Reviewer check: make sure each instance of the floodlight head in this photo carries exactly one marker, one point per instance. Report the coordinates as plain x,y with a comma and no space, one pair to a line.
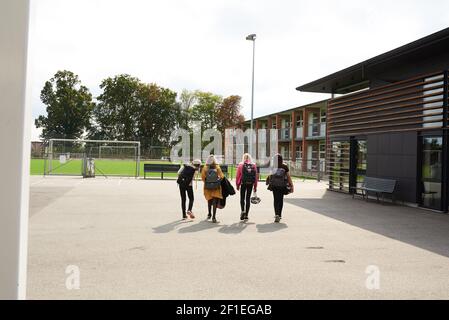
251,37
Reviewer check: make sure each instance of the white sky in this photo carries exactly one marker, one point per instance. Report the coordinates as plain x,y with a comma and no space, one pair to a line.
200,44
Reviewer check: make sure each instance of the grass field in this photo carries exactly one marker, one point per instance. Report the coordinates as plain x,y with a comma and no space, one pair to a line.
107,167
110,168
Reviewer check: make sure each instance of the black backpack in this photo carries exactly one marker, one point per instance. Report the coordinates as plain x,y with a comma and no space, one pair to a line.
278,178
212,179
186,176
249,174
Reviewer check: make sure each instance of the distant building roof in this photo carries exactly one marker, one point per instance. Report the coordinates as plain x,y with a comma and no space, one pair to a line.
289,110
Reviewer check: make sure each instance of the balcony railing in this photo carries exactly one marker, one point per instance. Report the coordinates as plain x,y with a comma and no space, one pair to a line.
285,134
299,134
317,130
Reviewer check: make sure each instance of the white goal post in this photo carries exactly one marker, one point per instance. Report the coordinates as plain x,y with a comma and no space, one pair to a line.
80,148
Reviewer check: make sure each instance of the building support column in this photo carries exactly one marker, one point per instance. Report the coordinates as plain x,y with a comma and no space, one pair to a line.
305,123
278,127
445,155
269,127
293,137
327,141
256,129
15,121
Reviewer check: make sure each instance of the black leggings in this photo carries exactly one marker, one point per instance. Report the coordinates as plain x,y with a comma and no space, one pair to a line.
212,204
245,196
183,191
278,196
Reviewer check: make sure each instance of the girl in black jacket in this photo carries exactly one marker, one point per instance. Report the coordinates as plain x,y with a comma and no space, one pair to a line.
185,178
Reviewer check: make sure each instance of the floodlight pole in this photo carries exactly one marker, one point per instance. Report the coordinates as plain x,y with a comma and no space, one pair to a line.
252,37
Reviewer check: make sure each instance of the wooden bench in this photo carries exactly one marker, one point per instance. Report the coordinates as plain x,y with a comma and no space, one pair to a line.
378,186
170,168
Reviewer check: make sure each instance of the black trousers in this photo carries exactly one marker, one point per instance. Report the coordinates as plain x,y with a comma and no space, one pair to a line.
278,196
245,197
183,191
212,207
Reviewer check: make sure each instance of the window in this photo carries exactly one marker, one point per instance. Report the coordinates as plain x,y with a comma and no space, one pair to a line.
323,116
299,152
285,152
322,150
299,120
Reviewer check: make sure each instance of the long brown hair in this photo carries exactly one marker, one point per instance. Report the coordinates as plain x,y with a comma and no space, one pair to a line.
278,159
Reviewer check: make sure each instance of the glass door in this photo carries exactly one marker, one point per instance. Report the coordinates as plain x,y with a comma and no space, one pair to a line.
361,162
431,172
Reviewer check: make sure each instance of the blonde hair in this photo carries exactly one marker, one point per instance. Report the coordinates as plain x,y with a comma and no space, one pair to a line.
248,157
211,160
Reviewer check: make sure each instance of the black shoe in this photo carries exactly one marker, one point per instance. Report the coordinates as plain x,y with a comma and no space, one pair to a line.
214,220
184,217
246,217
277,219
209,216
242,216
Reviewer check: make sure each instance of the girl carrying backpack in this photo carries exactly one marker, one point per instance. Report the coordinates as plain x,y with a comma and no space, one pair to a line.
185,179
246,180
212,176
280,183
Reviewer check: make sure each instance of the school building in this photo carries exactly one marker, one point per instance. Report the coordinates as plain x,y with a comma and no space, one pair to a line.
301,135
387,118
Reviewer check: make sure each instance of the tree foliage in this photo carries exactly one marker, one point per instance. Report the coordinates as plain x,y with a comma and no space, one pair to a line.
128,109
69,107
158,116
228,113
116,113
204,109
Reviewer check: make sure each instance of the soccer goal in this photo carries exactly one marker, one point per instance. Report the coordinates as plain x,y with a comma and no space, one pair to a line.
90,158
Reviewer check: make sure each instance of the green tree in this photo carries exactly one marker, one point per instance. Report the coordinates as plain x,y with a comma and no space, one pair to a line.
159,114
228,113
69,107
205,109
116,114
187,100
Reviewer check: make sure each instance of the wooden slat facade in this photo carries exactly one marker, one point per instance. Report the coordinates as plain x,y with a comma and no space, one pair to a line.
415,104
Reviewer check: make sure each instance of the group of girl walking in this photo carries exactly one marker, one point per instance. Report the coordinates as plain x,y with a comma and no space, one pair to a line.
217,187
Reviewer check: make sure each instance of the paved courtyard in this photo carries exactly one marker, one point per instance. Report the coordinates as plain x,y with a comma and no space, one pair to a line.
128,241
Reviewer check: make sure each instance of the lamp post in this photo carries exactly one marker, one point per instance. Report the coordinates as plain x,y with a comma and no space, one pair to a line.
252,37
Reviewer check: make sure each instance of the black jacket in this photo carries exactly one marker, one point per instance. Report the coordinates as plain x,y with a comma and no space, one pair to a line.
226,190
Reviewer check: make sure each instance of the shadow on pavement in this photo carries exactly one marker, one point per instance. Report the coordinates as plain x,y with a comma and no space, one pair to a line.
234,228
166,228
270,227
421,228
200,226
43,196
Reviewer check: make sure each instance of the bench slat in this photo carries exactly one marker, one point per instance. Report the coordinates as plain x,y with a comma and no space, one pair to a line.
379,185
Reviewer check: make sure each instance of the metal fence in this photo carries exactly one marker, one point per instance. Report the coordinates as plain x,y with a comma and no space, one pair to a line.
309,169
89,158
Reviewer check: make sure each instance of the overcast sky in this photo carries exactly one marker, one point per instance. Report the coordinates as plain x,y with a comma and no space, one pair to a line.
200,44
